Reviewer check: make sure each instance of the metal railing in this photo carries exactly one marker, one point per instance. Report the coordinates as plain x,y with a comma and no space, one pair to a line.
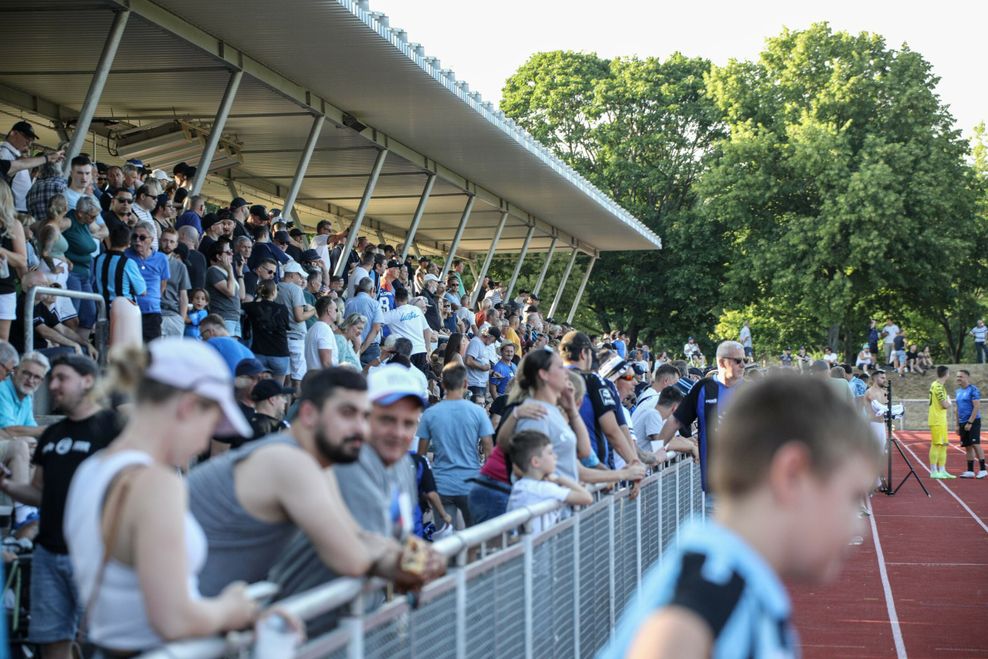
554,594
100,330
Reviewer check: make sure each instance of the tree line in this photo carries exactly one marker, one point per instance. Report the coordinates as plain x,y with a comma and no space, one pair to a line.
809,190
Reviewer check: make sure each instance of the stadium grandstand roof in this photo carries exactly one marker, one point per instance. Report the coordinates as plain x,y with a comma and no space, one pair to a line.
302,60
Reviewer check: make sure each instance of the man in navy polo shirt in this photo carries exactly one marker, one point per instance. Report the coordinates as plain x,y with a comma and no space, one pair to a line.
706,406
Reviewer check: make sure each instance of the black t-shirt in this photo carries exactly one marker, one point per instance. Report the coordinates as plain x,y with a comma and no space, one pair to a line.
205,243
268,324
42,316
263,425
295,252
196,263
61,449
899,342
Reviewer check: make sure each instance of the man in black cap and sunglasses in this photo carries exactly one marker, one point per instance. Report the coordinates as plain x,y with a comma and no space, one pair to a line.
18,143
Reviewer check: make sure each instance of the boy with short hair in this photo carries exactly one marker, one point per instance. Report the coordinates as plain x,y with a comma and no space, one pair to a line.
793,461
937,418
532,452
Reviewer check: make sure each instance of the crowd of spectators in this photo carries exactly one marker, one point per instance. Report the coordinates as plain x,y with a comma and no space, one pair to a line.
277,422
269,420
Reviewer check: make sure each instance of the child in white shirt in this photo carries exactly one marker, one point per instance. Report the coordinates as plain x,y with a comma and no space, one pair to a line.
532,453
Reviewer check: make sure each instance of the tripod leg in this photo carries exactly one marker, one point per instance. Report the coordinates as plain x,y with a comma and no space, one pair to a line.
912,472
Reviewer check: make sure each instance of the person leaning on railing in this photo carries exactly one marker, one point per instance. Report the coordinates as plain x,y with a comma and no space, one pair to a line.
543,391
135,548
253,500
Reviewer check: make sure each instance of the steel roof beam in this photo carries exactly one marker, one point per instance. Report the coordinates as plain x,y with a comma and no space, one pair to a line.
306,98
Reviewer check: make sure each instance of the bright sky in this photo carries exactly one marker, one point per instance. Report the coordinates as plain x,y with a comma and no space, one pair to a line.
484,42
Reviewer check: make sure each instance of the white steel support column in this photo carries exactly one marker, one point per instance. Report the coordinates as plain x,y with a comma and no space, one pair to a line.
96,85
417,218
545,266
521,261
216,131
579,291
488,258
303,165
456,238
562,285
361,211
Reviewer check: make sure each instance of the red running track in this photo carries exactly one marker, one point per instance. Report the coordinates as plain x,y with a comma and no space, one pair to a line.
932,600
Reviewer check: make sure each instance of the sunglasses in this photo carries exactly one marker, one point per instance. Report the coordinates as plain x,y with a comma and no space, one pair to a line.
140,237
627,378
124,201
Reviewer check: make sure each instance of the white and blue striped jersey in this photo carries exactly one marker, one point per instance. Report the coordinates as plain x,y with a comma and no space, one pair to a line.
720,578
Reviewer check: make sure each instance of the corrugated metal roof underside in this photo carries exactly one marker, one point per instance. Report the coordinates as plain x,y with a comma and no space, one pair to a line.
324,47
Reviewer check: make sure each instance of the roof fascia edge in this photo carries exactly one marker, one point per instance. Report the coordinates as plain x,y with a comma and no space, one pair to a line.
305,98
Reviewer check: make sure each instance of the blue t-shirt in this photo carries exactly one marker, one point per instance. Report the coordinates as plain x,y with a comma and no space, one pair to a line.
715,574
370,309
190,218
231,350
453,428
15,411
620,348
195,317
502,374
858,387
154,269
965,403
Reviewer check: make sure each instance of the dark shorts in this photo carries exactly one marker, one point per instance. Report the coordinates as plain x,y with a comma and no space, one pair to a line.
151,326
972,436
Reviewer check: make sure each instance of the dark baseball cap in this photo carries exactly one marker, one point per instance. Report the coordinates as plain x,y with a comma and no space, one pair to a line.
267,389
238,202
208,220
394,263
24,128
281,237
249,367
259,210
310,255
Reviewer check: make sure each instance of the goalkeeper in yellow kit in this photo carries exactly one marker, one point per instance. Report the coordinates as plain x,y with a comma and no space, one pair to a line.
939,404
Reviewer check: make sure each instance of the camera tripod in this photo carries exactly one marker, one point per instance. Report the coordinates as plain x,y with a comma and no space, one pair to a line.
890,441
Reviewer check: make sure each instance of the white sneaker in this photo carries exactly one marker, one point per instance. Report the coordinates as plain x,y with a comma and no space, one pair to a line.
967,474
982,474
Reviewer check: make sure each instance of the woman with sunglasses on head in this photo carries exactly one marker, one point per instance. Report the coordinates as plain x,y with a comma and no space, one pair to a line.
135,548
542,398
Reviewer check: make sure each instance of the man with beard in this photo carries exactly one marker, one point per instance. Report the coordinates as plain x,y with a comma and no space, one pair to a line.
379,489
250,501
86,428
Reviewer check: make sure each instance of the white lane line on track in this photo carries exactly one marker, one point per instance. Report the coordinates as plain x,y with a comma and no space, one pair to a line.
900,646
970,512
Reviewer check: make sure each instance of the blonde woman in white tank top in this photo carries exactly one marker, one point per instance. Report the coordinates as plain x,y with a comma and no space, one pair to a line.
145,592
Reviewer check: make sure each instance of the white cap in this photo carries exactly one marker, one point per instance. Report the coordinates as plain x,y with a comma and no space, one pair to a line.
613,368
390,383
430,277
193,366
293,266
161,175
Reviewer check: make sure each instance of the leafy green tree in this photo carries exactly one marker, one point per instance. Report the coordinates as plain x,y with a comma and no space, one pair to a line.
843,188
641,130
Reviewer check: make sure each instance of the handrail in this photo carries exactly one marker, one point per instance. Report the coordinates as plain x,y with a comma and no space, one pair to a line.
343,590
29,301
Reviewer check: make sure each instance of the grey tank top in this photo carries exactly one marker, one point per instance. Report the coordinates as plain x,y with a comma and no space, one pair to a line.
241,547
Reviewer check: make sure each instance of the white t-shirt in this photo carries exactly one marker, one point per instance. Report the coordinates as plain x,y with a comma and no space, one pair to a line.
477,349
648,423
409,322
745,337
891,331
354,279
22,179
319,337
528,491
